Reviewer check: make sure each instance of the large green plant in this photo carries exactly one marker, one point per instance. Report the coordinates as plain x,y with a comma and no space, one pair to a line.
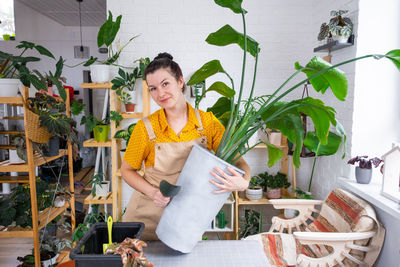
106,36
272,112
16,67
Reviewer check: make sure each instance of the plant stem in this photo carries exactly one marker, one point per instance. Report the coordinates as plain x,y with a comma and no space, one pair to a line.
312,171
252,86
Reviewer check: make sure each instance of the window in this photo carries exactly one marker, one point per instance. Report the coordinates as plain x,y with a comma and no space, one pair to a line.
7,25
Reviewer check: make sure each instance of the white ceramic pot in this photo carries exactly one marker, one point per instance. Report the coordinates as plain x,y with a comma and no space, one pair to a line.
59,202
14,159
9,87
50,262
341,39
100,73
254,193
102,191
290,213
113,72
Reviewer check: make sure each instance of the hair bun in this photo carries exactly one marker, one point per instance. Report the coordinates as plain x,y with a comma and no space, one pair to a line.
163,55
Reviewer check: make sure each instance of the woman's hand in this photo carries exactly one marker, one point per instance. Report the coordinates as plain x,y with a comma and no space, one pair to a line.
228,183
159,200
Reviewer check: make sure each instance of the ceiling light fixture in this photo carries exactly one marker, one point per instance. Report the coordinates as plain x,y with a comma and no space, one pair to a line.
81,51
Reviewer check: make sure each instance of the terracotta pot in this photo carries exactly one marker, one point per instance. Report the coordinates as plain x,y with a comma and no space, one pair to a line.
130,107
274,193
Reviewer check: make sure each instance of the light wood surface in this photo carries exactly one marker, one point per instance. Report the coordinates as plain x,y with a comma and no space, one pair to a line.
11,100
108,199
14,179
37,160
11,248
93,143
96,85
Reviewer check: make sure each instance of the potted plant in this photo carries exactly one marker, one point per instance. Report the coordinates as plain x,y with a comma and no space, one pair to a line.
14,69
101,72
252,223
339,27
364,168
62,195
255,190
125,135
271,111
274,184
100,187
53,121
100,128
18,155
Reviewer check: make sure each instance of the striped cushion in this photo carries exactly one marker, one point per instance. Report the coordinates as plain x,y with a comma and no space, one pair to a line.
340,212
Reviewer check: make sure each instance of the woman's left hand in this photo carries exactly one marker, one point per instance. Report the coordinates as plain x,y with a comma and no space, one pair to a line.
228,183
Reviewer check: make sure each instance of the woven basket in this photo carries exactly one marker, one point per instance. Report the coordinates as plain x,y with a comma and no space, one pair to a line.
36,133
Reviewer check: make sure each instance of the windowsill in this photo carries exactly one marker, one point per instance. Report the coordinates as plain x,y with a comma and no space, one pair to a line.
372,193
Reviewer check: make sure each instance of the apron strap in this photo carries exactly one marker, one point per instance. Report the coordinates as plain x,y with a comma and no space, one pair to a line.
149,129
200,129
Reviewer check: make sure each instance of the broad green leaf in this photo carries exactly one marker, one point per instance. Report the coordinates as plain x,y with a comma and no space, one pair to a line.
38,84
311,142
208,69
333,78
90,61
234,5
121,73
110,36
59,67
274,154
227,35
115,116
26,44
169,190
104,30
224,118
321,115
60,88
121,134
77,108
222,89
222,105
131,127
290,125
394,56
44,51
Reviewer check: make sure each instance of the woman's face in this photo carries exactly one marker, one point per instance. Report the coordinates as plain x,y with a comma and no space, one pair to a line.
165,90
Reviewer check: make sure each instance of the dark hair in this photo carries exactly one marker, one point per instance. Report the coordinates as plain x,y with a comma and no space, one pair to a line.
164,61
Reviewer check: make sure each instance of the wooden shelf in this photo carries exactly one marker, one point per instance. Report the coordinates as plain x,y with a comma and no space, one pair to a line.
93,143
50,213
335,45
96,85
12,132
262,201
264,146
5,166
14,179
136,115
16,231
108,199
7,147
11,100
13,118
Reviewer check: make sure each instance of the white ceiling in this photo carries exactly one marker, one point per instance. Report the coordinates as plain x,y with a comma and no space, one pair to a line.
66,12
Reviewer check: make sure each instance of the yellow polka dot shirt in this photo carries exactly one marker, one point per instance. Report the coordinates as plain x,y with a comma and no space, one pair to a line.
141,149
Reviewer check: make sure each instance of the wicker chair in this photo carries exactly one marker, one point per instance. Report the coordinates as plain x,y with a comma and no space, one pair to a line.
344,232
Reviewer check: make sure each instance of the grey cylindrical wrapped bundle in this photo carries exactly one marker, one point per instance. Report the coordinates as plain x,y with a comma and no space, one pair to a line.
189,214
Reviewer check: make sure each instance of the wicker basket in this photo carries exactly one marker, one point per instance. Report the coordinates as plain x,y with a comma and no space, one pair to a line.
36,133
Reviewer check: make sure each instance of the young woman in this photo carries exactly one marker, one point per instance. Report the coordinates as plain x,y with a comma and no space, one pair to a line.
164,140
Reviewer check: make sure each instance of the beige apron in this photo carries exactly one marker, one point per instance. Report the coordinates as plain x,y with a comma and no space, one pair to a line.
168,164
